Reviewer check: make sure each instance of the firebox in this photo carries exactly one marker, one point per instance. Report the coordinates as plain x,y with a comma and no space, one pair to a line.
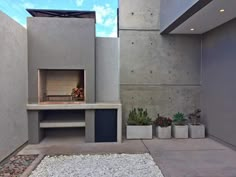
61,86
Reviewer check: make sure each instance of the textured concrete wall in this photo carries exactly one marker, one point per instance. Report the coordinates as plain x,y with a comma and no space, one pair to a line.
58,43
107,70
219,82
160,73
139,14
172,9
13,90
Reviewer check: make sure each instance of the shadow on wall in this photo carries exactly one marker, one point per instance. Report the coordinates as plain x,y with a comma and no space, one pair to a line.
13,75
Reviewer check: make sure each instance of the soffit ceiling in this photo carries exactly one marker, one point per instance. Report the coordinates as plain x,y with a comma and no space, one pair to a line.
208,17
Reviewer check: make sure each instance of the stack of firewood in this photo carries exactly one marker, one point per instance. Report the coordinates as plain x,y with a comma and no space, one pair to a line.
77,93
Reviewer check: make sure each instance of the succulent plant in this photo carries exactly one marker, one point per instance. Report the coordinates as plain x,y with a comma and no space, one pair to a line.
139,116
163,121
178,119
195,117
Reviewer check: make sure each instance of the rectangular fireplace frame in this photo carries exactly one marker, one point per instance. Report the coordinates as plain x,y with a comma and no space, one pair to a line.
70,101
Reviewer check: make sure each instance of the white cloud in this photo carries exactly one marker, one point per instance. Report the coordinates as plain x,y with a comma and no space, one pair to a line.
106,18
110,21
103,13
113,32
79,2
28,5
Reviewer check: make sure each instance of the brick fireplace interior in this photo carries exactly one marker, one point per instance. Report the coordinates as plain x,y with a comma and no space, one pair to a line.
61,86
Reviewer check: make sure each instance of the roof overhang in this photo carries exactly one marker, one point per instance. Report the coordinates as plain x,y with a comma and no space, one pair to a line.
203,16
62,13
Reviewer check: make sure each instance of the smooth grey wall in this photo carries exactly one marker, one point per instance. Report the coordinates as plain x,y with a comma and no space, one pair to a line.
13,89
157,72
219,82
59,43
170,10
107,70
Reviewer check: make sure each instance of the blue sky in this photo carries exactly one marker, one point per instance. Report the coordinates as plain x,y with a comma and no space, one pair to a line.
105,11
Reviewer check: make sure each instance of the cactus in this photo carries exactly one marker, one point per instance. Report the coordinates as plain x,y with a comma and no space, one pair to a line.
139,117
179,119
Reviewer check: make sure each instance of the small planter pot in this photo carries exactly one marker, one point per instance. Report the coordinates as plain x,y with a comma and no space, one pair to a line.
180,131
197,131
139,132
163,132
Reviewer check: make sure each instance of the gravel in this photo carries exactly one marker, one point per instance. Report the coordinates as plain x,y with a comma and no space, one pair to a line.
110,165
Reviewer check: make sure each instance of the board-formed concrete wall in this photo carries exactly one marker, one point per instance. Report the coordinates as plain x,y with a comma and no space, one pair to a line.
218,99
13,89
59,43
157,72
107,70
139,14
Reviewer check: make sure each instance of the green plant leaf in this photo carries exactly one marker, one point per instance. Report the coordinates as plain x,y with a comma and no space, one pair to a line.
139,116
179,119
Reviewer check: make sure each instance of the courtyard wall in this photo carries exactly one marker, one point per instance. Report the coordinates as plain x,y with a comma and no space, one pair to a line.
13,85
218,98
157,72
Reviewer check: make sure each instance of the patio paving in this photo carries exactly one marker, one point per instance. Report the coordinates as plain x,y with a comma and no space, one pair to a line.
176,158
193,158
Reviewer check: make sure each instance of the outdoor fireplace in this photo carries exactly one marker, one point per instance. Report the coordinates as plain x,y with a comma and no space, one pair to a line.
61,86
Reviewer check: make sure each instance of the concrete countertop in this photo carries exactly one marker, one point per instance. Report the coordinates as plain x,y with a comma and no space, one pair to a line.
69,106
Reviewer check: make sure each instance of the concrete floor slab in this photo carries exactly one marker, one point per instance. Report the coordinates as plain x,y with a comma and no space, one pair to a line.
53,146
207,163
176,158
192,157
157,145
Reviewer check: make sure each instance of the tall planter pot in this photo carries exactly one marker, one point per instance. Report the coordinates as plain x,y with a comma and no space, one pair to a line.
180,131
163,132
197,131
139,132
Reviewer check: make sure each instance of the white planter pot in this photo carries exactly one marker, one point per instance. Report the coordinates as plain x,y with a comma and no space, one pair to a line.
163,132
180,131
197,131
139,132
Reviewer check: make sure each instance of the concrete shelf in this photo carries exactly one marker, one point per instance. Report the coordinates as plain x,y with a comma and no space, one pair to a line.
44,116
62,123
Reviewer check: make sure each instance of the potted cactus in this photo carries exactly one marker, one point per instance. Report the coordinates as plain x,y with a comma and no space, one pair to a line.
139,125
196,129
180,127
163,127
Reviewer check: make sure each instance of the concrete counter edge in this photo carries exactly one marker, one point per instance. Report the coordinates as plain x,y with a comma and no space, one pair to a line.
73,106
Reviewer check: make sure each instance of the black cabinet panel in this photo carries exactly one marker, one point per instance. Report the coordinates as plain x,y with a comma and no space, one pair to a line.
106,125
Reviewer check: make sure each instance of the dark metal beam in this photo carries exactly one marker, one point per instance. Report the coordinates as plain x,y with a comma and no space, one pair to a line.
62,13
190,12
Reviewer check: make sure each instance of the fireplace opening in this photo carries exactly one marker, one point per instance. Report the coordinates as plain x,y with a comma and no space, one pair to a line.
61,86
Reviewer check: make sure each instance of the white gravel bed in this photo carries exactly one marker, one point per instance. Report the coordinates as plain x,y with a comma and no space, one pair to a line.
112,165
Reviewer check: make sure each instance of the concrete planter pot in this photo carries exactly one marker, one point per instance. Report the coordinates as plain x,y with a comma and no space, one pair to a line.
139,132
163,132
180,131
197,131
